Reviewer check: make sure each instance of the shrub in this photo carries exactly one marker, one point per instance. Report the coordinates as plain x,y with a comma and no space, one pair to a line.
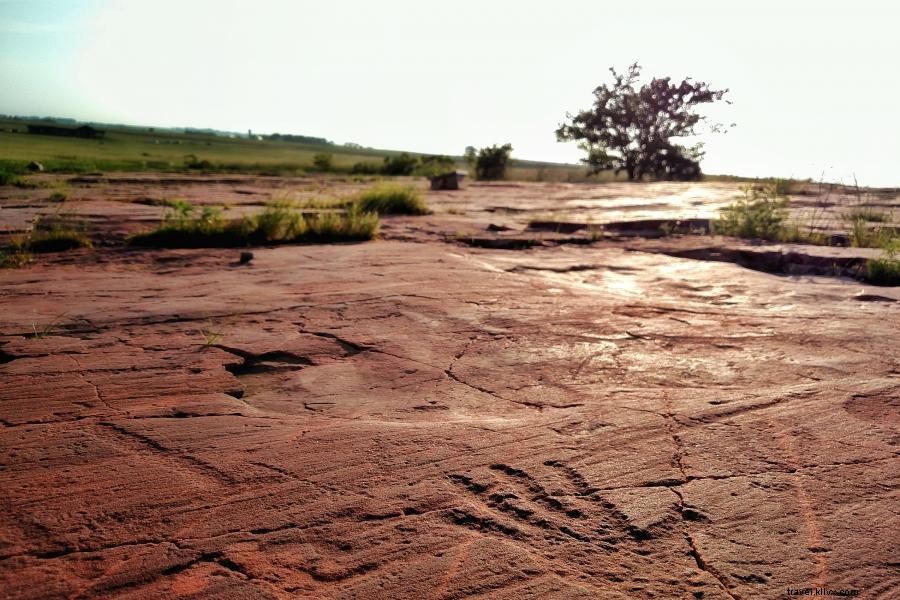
58,196
885,270
435,165
760,214
401,164
365,168
490,164
323,161
192,162
388,199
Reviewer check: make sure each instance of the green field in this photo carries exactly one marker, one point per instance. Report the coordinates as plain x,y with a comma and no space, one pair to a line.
145,149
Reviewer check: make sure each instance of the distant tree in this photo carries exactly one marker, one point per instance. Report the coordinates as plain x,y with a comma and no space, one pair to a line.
400,164
490,163
366,168
634,129
323,161
432,165
470,155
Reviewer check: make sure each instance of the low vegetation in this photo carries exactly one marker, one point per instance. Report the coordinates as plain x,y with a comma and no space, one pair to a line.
490,163
14,256
405,164
392,199
53,233
279,222
284,221
11,173
323,161
862,235
760,214
869,214
885,270
56,236
400,164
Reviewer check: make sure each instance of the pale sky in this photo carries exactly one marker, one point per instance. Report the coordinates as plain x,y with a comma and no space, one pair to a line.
814,85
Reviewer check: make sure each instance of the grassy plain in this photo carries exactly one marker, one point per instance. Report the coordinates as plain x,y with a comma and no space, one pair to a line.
150,149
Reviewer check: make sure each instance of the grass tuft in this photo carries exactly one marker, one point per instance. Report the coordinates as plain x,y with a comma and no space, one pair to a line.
279,222
391,199
15,256
864,236
869,214
55,235
885,270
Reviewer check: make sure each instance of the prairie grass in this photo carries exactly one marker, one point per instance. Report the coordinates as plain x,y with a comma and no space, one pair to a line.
869,215
279,222
885,270
759,214
392,199
762,213
864,236
14,256
56,233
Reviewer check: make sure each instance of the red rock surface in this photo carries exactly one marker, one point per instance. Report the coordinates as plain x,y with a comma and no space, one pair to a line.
428,420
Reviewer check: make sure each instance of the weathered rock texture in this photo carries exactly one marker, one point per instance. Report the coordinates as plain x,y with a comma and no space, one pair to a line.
430,420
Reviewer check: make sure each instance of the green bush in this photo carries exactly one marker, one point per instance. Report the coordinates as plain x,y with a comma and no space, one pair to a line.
400,164
365,168
192,162
491,162
430,166
323,161
390,199
885,270
759,214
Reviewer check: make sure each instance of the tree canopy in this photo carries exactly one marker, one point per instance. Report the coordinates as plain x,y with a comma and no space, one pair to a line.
636,130
490,162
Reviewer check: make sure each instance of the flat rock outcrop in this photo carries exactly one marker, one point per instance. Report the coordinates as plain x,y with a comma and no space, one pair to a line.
431,420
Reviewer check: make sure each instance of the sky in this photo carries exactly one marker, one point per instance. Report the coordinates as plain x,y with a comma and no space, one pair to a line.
813,86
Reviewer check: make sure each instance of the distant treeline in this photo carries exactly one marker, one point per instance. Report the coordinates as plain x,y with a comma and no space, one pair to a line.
299,139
